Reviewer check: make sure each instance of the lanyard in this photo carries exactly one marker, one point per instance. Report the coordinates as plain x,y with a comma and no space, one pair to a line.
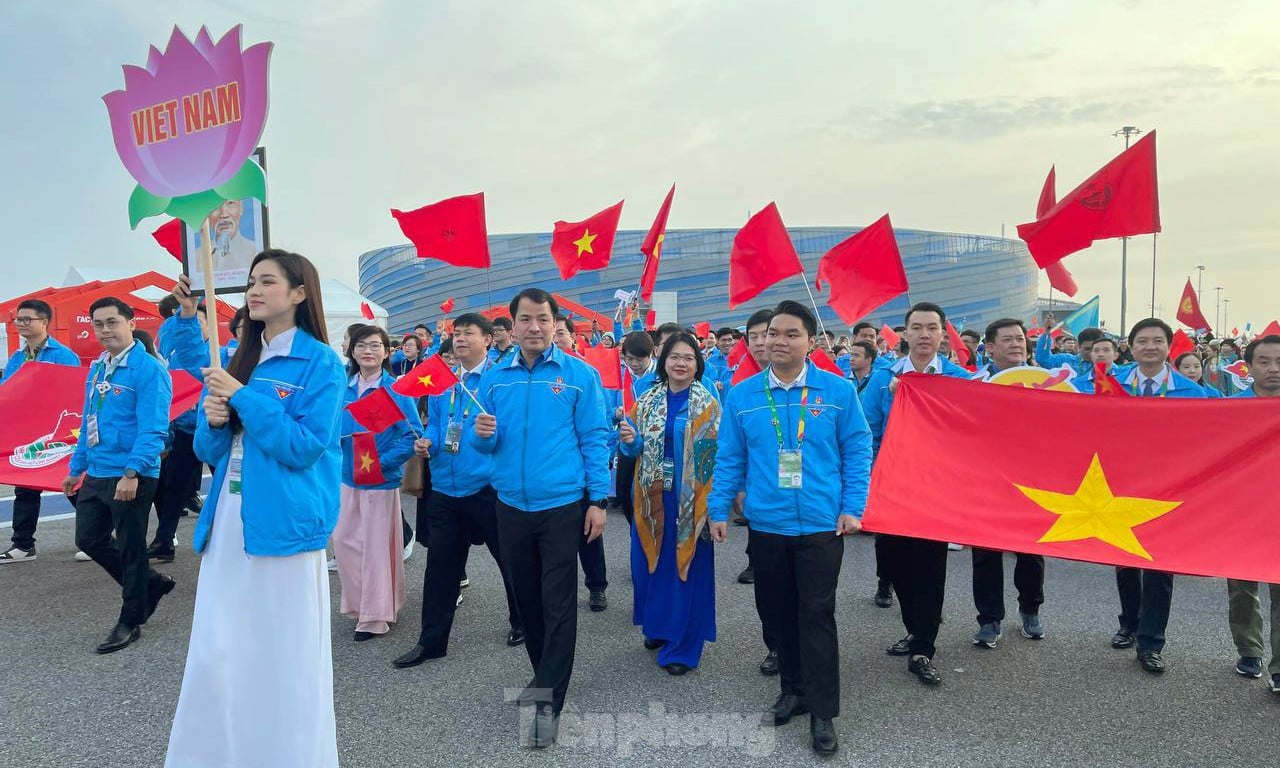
777,425
1164,386
107,370
453,391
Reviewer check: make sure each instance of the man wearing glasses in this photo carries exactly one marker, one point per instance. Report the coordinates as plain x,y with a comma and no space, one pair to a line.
33,326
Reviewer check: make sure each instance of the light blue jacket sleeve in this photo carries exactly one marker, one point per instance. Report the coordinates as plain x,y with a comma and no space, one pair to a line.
297,442
593,436
80,457
154,398
875,401
211,443
855,458
188,349
1047,358
730,472
486,445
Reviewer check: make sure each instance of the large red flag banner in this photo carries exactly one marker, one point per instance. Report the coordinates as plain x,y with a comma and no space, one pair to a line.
864,271
762,255
1105,494
652,248
452,230
1119,200
40,415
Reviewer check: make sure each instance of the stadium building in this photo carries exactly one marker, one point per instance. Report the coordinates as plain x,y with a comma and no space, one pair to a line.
976,278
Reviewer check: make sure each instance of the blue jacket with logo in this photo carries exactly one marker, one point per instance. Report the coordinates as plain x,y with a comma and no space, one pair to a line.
466,472
877,400
187,350
291,410
552,437
133,417
835,455
394,444
51,352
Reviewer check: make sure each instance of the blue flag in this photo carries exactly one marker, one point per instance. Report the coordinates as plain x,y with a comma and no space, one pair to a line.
1084,317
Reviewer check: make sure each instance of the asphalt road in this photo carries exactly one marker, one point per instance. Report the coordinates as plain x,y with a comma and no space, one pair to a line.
1068,700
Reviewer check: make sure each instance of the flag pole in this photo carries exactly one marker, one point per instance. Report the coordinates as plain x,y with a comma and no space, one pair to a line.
812,301
472,395
210,295
1153,274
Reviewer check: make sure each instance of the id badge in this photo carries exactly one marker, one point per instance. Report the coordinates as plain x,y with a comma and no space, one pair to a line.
453,437
234,467
668,474
790,474
91,427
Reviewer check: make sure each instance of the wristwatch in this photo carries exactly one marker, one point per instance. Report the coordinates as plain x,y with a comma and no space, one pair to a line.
601,503
131,474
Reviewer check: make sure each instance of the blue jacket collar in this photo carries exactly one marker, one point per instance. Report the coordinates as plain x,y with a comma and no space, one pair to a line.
551,354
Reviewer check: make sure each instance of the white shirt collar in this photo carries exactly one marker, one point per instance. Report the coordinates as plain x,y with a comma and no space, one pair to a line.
115,361
799,382
1138,378
465,372
279,346
904,365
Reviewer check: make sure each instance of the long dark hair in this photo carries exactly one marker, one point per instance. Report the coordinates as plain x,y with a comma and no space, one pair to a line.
360,334
308,315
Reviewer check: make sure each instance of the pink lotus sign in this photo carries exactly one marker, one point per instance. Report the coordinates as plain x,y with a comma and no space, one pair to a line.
185,125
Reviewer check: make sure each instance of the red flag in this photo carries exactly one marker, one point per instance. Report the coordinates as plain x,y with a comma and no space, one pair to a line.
1189,313
607,363
446,306
957,344
890,336
650,320
1121,199
1105,384
1048,193
746,369
1059,278
762,255
1180,345
366,463
1235,332
40,421
579,345
1101,495
864,271
169,236
429,377
652,247
585,244
822,360
703,329
1272,329
739,351
451,230
366,311
376,411
628,392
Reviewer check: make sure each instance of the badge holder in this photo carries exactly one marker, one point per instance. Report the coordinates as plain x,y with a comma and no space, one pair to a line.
790,471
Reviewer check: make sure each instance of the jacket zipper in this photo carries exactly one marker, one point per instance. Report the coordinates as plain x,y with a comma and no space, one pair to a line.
524,444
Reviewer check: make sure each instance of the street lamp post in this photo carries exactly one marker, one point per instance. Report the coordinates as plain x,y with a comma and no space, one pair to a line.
1200,283
1128,132
1217,311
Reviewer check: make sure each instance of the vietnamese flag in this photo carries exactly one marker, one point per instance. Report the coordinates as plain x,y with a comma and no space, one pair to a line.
746,369
1107,493
429,377
452,230
628,392
739,351
703,329
762,255
607,363
890,336
1105,384
957,345
863,272
652,247
366,464
1119,200
1180,345
446,306
588,244
650,320
376,411
1189,313
169,236
822,360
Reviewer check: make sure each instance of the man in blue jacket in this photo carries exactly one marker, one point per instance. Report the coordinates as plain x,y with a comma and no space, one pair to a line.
32,319
461,508
542,421
794,438
917,568
116,463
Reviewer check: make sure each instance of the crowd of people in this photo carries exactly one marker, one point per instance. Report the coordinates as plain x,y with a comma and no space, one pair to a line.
691,449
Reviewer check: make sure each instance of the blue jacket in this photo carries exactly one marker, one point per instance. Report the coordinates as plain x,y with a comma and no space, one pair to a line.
877,400
291,410
133,417
466,472
1179,385
187,351
552,438
1047,358
501,358
395,444
835,455
51,352
164,337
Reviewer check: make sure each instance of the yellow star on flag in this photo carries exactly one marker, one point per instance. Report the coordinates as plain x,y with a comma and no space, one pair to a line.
584,242
425,381
1094,512
76,433
366,462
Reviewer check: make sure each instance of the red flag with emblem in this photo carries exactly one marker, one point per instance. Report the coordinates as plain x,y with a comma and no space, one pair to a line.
1189,313
429,377
451,230
366,464
587,244
822,360
652,247
376,411
607,363
1106,384
746,369
762,255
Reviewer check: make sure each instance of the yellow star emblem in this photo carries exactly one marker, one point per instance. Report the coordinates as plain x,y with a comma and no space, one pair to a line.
366,462
425,381
76,433
1094,512
584,242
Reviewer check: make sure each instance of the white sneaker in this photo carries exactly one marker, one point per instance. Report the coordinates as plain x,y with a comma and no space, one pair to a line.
332,565
15,555
455,605
83,558
408,550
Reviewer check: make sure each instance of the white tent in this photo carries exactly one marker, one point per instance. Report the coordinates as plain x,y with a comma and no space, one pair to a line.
342,308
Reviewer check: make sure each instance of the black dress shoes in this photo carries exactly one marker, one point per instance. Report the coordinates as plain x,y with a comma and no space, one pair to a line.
786,707
416,656
160,553
1123,638
884,594
122,636
598,601
677,669
1152,662
157,588
515,637
922,667
748,576
823,732
653,644
769,666
900,648
361,636
545,727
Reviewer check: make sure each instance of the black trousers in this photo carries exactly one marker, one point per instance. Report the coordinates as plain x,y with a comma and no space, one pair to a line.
795,587
98,515
988,584
626,476
540,549
918,570
456,524
591,554
768,630
882,569
1145,599
26,512
179,480
422,523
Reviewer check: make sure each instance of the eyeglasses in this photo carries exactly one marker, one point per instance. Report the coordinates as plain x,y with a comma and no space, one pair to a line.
20,320
682,359
373,346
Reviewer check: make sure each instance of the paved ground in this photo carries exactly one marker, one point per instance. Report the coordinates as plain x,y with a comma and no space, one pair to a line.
1066,701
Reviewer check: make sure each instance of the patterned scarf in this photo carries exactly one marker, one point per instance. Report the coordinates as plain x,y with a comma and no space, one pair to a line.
699,455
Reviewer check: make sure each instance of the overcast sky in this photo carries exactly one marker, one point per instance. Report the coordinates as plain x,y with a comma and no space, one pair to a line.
838,110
